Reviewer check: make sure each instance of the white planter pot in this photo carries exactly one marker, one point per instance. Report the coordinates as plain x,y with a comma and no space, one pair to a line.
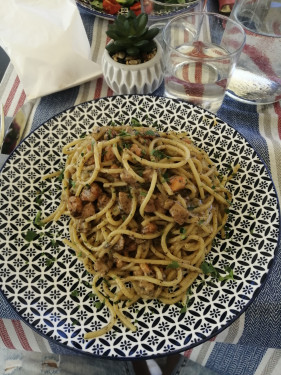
134,79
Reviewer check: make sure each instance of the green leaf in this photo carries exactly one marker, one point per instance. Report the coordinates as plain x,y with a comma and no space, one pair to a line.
123,133
126,26
173,265
75,293
135,122
142,43
61,176
229,276
133,51
191,208
122,44
141,21
98,304
165,177
49,261
150,133
208,269
97,4
30,235
37,220
111,48
112,34
151,33
159,154
183,309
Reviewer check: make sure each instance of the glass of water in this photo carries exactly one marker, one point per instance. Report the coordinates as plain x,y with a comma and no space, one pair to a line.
257,78
201,51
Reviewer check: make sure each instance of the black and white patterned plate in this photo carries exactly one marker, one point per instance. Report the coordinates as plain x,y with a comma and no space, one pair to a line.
48,286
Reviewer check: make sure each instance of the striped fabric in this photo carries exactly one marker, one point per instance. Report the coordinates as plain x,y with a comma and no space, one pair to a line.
252,344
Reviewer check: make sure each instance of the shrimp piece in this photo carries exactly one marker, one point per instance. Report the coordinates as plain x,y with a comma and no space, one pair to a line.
74,205
119,263
103,199
120,244
125,202
136,149
147,288
90,194
90,161
103,265
109,154
149,228
88,210
177,183
145,269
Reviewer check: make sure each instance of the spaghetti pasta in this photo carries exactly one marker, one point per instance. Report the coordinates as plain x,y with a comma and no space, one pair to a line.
144,208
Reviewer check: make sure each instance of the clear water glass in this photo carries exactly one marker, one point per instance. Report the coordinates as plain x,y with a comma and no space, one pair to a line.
257,78
201,51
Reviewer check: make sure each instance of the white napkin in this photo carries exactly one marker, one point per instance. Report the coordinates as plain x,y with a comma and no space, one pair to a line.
47,44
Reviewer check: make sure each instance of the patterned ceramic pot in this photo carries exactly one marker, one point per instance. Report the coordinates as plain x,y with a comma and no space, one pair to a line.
134,79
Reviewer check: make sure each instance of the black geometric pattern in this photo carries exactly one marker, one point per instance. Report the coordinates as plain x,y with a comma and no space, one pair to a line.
48,286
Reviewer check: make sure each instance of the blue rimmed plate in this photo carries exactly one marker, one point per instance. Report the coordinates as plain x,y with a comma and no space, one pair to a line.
48,286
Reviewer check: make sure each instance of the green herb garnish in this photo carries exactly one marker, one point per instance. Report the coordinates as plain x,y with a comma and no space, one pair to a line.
173,265
98,304
135,123
37,220
75,293
160,154
30,235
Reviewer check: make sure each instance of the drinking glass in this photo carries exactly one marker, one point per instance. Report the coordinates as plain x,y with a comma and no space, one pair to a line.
257,77
158,10
201,51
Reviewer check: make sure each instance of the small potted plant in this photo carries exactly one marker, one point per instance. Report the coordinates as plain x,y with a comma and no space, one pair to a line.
133,61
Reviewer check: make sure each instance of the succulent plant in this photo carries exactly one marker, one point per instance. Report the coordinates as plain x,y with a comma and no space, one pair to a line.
131,35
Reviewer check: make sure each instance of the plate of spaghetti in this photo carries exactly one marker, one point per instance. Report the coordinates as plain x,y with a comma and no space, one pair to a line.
135,226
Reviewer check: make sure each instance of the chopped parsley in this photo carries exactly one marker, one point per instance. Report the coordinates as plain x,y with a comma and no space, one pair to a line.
160,154
37,220
30,235
50,261
149,132
173,265
123,133
71,183
98,304
165,177
75,293
191,208
135,122
209,269
183,233
39,199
